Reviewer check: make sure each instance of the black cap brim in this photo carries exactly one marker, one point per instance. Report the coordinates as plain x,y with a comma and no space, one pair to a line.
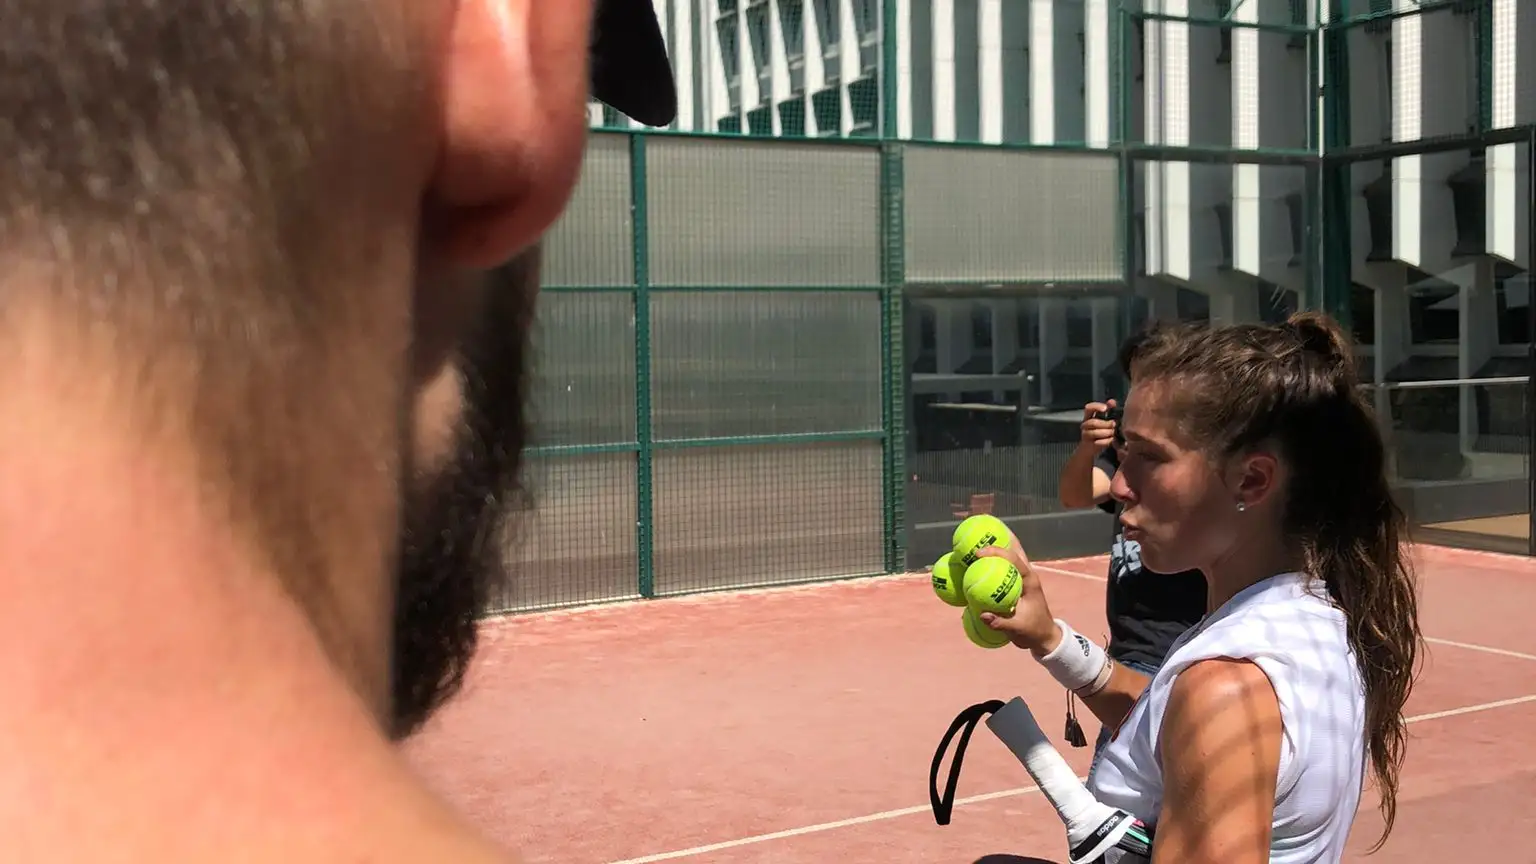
630,69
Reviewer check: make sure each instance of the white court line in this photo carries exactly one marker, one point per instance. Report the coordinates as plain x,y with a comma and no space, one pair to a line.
1433,640
827,826
974,799
1073,573
1502,652
1472,709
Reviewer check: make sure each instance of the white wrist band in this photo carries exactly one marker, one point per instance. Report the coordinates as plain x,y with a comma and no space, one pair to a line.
1077,663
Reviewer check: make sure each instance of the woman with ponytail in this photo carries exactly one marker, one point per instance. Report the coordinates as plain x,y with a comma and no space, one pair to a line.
1250,455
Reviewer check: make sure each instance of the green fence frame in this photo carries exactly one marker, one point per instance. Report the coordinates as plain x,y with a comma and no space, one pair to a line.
646,445
1326,159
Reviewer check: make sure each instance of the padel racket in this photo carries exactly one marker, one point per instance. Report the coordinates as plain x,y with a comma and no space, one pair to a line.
1094,829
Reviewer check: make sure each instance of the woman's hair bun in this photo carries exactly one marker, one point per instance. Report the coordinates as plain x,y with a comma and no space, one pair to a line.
1321,336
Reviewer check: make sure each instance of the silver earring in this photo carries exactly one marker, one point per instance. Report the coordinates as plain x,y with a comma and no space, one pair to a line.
1241,506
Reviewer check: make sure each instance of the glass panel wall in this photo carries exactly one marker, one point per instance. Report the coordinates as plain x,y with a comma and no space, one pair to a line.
1440,290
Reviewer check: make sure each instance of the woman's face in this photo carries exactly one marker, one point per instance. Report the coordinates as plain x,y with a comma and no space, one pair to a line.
1176,504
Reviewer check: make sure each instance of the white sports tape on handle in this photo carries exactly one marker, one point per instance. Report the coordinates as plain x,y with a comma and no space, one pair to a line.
1093,828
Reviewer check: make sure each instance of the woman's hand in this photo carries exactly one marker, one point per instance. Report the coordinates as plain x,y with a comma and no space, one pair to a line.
1031,625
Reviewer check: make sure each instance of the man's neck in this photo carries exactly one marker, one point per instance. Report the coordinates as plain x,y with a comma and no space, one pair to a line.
155,675
107,461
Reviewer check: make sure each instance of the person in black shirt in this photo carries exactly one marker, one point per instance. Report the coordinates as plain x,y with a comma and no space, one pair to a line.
1146,611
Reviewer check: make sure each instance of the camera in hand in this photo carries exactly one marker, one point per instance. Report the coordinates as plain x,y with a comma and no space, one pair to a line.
1115,414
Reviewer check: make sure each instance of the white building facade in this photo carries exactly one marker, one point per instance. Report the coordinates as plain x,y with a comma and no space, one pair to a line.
1048,72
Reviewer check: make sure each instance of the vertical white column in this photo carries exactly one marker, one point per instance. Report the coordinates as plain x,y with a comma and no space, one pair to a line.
1407,125
1508,165
1152,172
778,64
1428,103
815,65
944,70
719,102
684,66
1247,192
1173,52
1042,71
716,96
904,101
990,69
1097,71
849,52
1318,14
746,67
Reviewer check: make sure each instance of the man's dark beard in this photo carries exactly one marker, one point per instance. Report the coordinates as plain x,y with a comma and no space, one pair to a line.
454,550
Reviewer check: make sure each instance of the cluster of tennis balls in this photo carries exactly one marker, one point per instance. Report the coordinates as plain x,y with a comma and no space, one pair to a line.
980,585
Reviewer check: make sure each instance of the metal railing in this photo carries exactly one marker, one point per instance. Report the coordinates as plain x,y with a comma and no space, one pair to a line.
1442,383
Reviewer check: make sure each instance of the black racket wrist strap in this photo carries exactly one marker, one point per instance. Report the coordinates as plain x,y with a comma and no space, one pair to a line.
943,803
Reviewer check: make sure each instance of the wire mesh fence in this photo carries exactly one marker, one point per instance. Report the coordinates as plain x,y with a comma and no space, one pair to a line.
721,396
833,311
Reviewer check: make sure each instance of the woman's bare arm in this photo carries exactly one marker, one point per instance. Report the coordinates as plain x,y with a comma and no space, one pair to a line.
1113,704
1081,482
1220,744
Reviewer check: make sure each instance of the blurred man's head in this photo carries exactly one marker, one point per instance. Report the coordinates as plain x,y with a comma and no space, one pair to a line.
249,235
1131,347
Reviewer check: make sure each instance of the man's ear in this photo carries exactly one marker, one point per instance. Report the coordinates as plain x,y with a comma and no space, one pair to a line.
514,93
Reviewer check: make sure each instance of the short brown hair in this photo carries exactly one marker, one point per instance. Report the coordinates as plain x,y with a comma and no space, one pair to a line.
1131,347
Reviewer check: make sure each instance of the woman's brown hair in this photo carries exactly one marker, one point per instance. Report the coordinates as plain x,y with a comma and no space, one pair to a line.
1294,387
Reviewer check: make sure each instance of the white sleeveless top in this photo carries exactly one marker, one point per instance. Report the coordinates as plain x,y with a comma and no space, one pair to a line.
1287,627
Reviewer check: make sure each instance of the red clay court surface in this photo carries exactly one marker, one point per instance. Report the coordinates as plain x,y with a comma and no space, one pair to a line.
796,726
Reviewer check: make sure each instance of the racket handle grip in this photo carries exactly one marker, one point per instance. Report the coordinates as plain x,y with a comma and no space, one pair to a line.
1093,828
1014,724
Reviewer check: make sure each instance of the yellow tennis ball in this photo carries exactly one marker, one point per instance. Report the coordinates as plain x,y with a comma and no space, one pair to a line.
993,585
980,634
978,532
949,580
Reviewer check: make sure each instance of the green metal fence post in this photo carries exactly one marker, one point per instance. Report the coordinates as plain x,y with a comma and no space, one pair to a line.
893,277
644,526
893,378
